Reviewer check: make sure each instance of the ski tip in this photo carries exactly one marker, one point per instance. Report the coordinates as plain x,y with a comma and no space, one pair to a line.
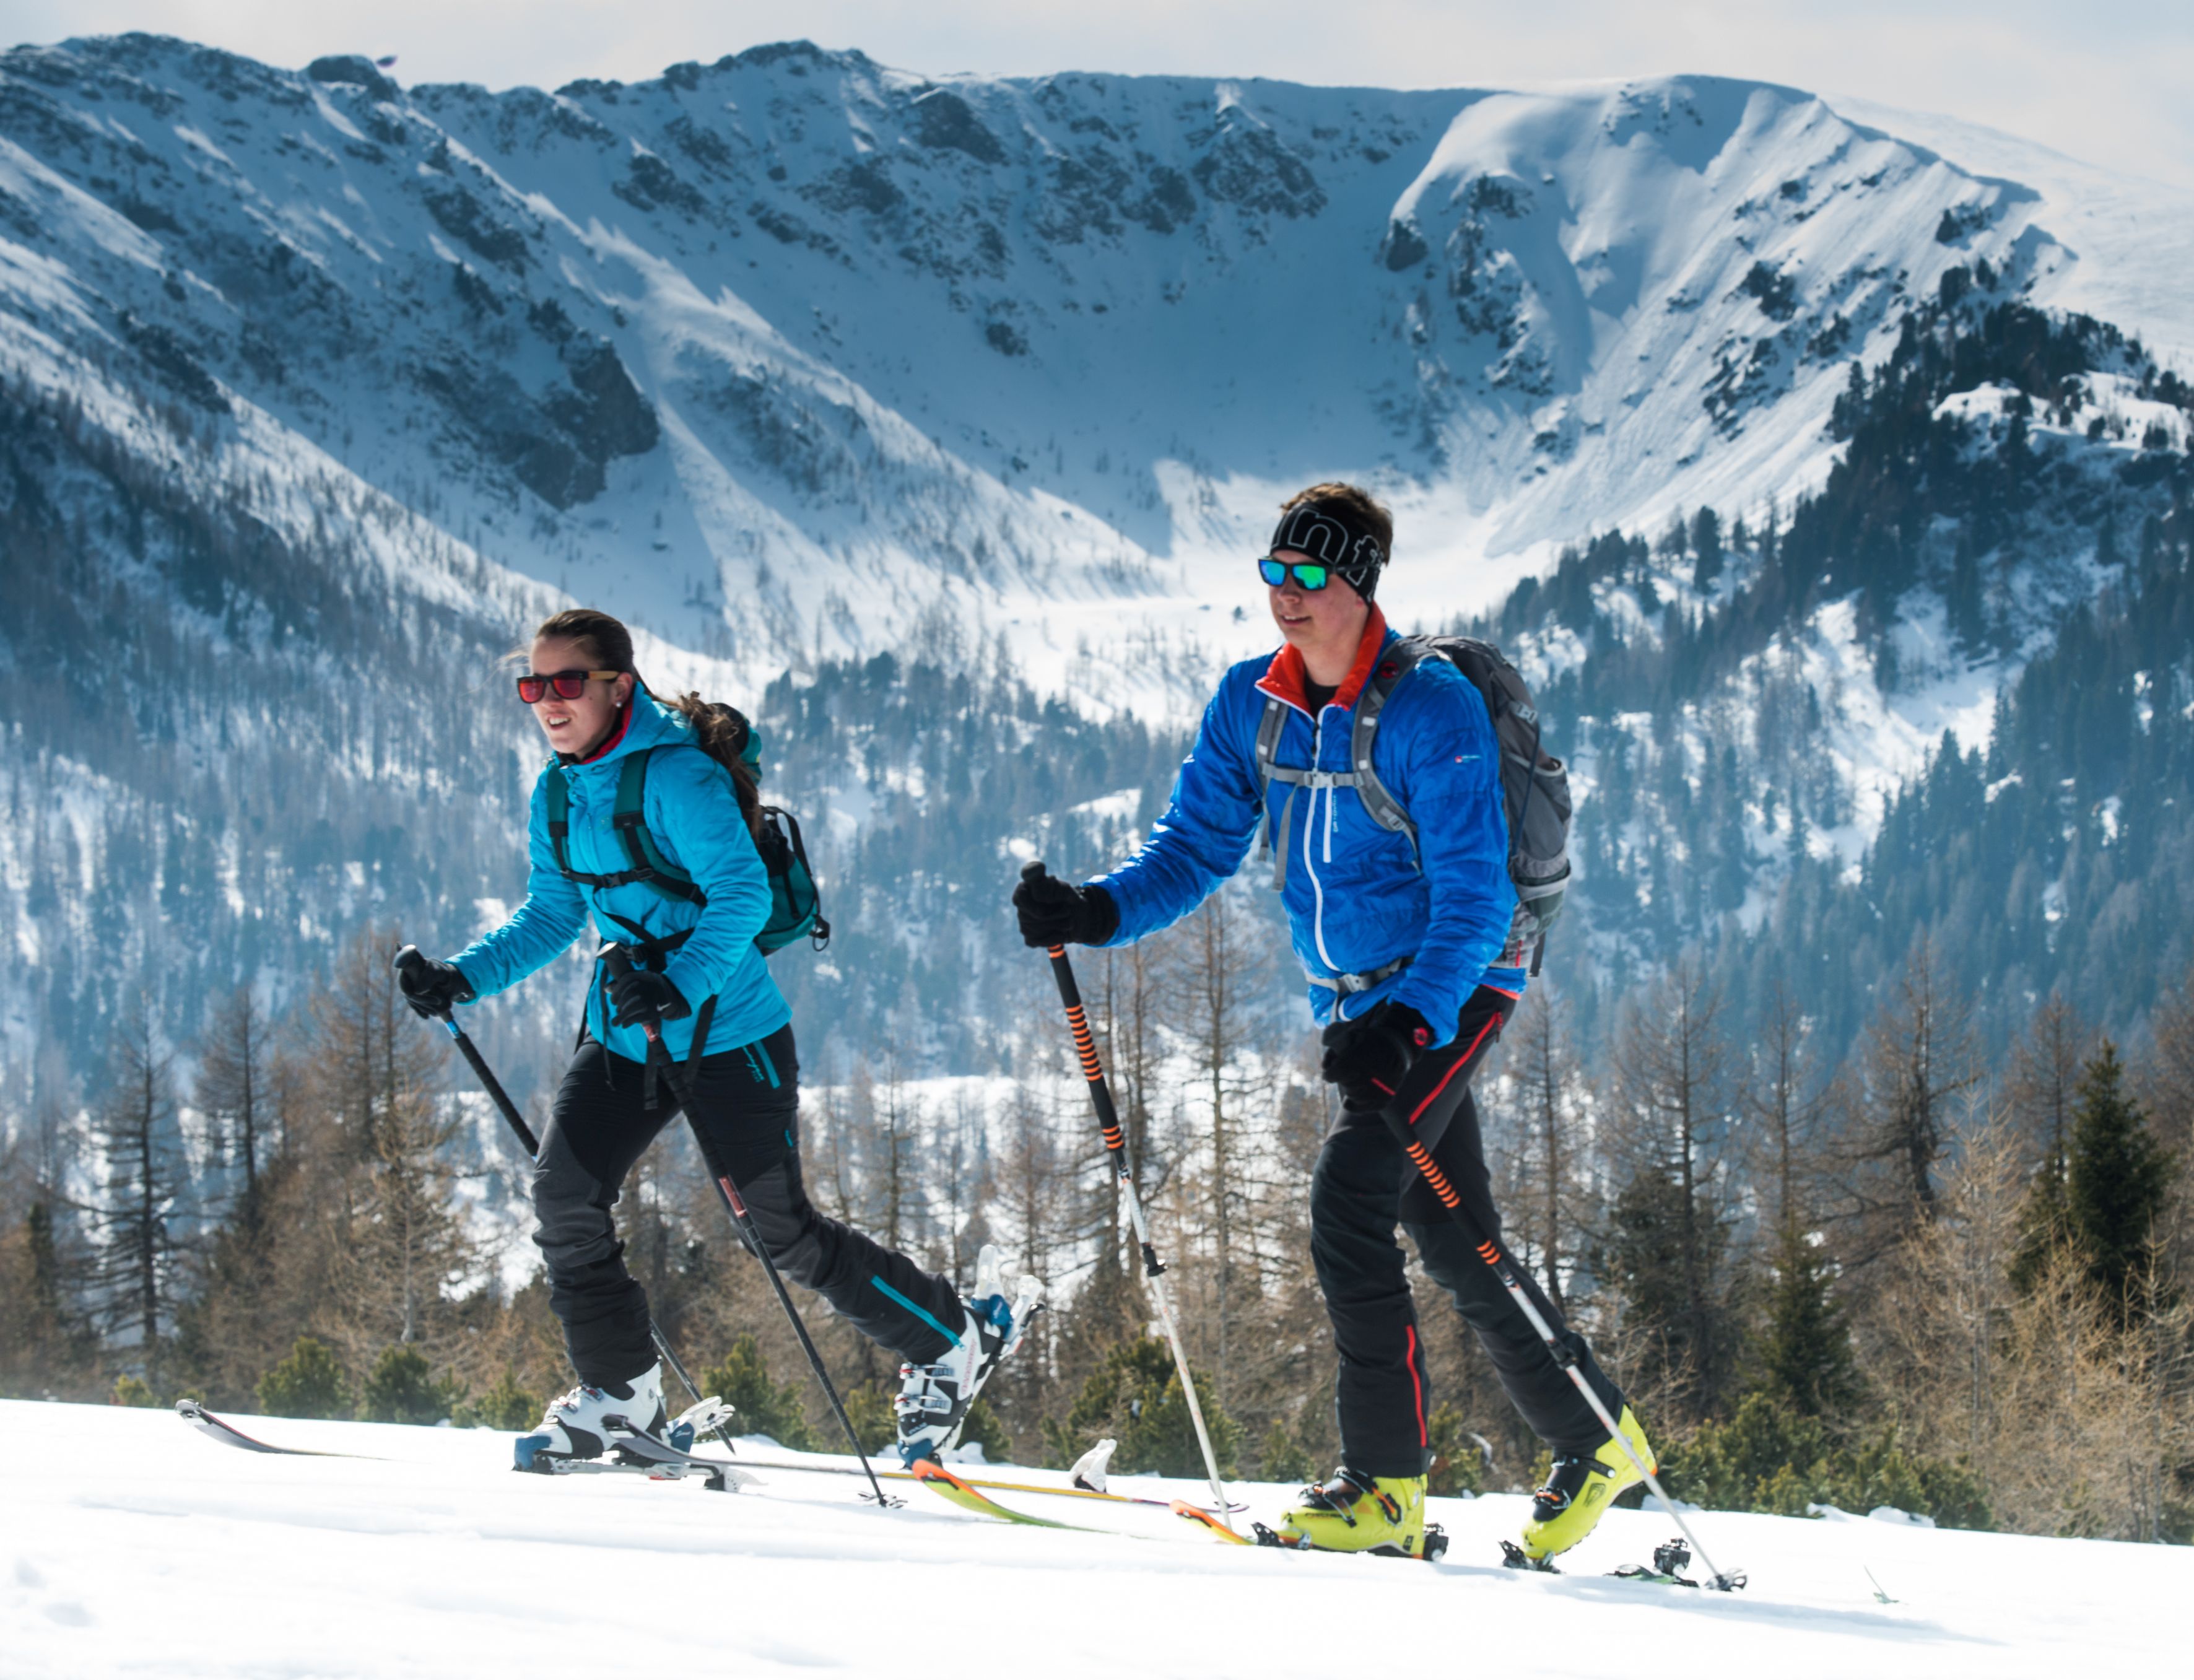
1218,1530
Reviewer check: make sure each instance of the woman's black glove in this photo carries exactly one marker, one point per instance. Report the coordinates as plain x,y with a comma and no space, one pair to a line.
1054,912
432,989
1369,1057
640,995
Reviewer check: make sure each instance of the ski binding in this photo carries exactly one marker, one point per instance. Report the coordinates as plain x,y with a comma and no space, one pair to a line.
640,1453
1670,1559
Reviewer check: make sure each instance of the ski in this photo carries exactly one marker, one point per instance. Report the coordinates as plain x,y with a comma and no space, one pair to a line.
984,1484
1670,1559
942,1482
219,1429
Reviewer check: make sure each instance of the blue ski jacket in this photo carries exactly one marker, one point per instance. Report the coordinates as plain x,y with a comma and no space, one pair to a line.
1357,896
693,813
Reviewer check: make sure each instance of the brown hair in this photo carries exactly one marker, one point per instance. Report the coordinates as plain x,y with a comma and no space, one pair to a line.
719,730
1374,515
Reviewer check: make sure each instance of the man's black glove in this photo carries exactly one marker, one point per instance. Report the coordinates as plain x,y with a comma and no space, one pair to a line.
1054,912
641,994
1368,1057
433,989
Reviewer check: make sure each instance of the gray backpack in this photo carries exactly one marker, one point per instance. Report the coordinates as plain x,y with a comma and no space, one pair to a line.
1535,787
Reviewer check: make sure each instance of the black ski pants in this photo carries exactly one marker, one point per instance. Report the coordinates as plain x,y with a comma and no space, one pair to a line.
746,1102
1363,1185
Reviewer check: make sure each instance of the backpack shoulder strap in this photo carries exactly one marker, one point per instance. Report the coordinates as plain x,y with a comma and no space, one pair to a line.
650,862
557,797
1404,657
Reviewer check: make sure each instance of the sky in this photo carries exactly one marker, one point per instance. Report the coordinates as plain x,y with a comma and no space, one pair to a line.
2103,82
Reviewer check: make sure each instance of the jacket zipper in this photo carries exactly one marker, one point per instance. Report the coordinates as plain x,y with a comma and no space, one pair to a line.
1318,887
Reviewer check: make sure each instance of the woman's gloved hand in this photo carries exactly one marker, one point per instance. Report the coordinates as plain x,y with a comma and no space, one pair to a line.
1369,1057
1054,912
640,995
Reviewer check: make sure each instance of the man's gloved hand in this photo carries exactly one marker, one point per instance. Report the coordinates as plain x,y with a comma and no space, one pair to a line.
1368,1057
640,995
433,989
1054,912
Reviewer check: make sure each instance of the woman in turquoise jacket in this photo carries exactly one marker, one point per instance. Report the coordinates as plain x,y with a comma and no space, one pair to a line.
698,975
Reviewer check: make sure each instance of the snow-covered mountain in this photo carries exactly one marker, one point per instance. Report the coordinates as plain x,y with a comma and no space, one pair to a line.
780,350
320,388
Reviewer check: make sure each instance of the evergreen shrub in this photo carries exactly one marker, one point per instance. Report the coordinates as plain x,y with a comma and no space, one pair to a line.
1769,1457
764,1407
309,1383
401,1389
1134,1396
505,1406
1458,1462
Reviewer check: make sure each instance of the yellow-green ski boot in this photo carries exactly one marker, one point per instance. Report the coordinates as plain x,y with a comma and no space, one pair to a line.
1351,1512
1566,1510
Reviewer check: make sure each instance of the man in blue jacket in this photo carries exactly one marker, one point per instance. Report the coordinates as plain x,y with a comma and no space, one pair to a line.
1413,971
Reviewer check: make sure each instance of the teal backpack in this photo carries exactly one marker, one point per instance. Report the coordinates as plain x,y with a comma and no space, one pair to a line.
795,907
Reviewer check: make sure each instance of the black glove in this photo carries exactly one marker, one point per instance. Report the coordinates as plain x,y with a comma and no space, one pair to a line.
1054,912
641,994
1369,1057
432,989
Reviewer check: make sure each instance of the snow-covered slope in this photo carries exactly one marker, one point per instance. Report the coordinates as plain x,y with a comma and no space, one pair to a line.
779,351
149,1549
2131,240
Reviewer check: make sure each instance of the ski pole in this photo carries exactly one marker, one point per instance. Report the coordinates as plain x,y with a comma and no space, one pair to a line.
1490,1251
1116,1144
619,961
409,958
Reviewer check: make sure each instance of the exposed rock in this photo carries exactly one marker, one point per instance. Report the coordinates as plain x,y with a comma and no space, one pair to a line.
357,70
944,121
1405,245
462,217
1247,165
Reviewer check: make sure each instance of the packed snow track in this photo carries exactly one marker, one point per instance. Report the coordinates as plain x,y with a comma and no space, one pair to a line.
139,1547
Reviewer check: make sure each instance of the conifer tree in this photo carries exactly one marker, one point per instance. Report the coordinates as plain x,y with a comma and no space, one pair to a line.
1671,1219
1804,1350
2040,1096
1918,1056
2115,1184
135,1223
233,1089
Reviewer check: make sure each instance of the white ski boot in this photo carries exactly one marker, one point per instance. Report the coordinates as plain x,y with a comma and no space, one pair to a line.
933,1399
574,1426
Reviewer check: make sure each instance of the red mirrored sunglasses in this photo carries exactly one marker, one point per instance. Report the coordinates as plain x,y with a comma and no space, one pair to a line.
534,686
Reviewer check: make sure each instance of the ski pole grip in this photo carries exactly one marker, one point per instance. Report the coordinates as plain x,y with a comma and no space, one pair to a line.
407,960
619,961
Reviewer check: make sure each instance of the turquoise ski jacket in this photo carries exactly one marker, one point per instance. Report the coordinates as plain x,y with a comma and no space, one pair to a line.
1359,898
693,814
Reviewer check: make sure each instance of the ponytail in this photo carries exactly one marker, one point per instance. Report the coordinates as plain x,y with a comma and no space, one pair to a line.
722,733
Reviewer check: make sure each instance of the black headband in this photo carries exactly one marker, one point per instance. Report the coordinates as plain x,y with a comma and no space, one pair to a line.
1334,534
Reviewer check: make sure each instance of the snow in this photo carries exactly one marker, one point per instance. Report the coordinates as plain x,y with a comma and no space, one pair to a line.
163,1552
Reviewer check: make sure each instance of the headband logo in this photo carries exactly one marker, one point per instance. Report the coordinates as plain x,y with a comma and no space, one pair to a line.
1310,530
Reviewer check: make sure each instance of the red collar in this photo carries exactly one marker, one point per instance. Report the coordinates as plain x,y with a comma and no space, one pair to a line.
1284,679
609,745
